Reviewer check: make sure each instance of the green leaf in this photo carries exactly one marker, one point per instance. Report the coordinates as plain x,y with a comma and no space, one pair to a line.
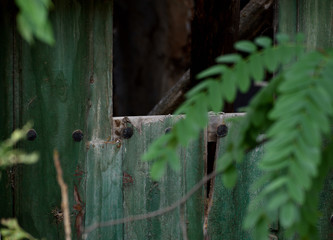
310,132
295,192
282,38
256,67
45,33
185,131
156,149
200,87
229,86
276,184
242,76
245,46
215,96
252,218
229,58
264,42
214,70
24,28
230,178
224,162
173,160
270,59
198,113
158,169
288,214
298,176
277,201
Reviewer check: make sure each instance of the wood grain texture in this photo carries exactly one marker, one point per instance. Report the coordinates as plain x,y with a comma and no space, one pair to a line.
61,89
314,19
6,100
142,195
228,206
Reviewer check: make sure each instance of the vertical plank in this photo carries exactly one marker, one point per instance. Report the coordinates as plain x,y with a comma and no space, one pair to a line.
228,206
288,16
142,195
6,100
64,88
314,19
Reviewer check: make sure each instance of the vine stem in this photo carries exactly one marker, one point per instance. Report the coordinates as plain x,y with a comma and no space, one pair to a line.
152,214
64,195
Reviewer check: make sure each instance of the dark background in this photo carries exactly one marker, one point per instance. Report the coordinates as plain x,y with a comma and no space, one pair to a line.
155,42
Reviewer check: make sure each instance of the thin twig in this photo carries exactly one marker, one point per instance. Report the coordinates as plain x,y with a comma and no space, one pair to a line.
156,213
182,221
64,195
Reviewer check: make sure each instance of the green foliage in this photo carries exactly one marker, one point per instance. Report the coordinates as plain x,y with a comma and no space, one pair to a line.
13,231
294,111
10,155
32,20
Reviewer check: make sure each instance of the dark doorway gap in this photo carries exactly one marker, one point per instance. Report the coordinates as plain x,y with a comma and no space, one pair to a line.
211,155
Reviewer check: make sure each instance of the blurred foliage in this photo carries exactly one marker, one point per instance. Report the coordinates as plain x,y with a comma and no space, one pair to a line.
13,231
9,155
32,20
294,111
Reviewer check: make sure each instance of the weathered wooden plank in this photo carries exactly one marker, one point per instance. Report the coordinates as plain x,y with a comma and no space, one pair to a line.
103,185
313,18
6,100
228,206
315,21
288,16
104,197
142,195
64,88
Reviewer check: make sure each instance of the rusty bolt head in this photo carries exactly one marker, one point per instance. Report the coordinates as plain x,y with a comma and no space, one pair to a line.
222,130
77,135
167,130
31,134
127,132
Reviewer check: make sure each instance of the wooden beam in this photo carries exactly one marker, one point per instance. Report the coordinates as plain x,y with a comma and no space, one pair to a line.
215,120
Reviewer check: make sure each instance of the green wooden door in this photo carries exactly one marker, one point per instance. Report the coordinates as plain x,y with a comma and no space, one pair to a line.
60,89
124,188
67,89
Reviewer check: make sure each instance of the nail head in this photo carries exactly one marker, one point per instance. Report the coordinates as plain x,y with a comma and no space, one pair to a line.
222,130
77,135
31,135
167,130
127,132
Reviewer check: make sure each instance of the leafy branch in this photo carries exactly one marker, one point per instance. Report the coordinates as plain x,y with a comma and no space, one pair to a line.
32,20
9,155
294,110
14,231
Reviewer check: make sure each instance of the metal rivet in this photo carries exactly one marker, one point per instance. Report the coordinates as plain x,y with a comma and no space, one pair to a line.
222,130
31,134
77,135
127,132
167,130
